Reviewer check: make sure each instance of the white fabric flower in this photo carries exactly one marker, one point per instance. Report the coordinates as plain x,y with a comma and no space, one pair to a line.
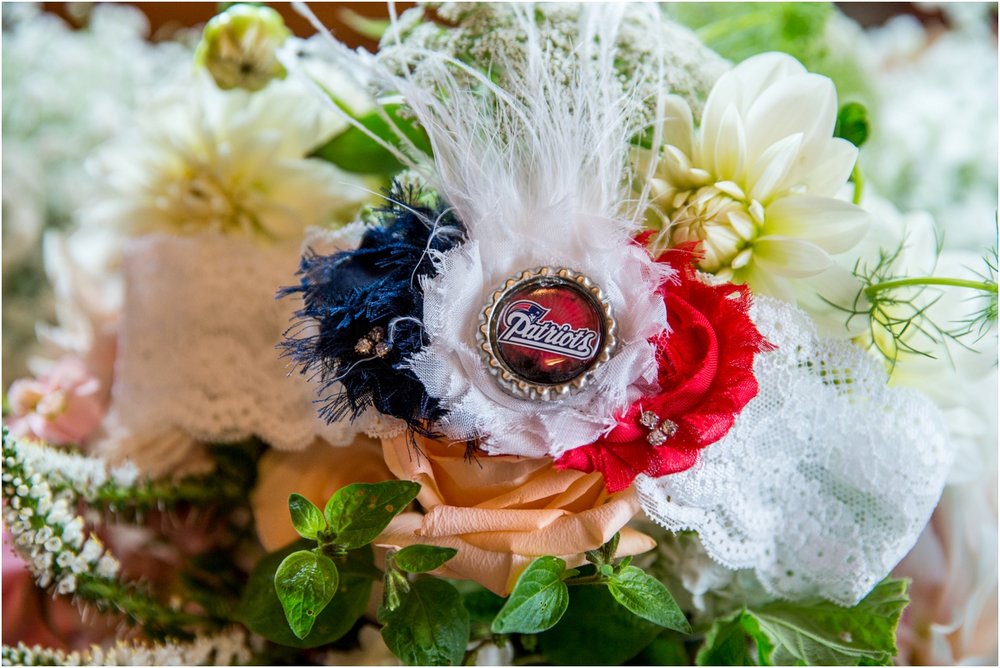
229,161
756,186
452,368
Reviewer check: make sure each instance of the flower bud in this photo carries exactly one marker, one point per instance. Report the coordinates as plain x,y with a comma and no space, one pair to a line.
239,47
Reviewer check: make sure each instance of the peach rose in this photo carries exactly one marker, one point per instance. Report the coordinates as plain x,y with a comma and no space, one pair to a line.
502,512
315,473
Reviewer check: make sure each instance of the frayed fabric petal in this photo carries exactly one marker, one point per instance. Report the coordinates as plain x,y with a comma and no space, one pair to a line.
363,311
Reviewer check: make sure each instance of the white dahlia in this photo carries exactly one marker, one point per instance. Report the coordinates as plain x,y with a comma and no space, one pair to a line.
756,184
203,159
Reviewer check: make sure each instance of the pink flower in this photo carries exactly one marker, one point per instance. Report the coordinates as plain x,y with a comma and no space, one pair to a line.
61,406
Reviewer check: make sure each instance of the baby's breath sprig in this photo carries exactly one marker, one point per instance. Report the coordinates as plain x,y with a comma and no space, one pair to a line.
119,487
62,555
896,307
229,647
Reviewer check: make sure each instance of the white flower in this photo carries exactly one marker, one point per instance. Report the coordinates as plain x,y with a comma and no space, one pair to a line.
935,147
230,161
756,186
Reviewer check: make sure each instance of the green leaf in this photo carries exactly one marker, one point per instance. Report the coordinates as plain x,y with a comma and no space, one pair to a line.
823,633
430,627
852,123
261,611
595,630
538,600
306,517
667,649
305,582
647,597
354,151
726,644
358,513
422,558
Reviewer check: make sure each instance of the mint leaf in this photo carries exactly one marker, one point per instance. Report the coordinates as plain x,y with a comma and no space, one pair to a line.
422,558
823,633
726,644
358,513
852,123
260,610
305,582
647,597
430,627
538,600
306,517
595,631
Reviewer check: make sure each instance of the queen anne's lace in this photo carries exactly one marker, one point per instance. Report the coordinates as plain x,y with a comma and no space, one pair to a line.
827,477
197,351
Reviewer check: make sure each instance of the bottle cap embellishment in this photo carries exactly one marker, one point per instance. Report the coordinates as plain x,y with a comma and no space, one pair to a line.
545,331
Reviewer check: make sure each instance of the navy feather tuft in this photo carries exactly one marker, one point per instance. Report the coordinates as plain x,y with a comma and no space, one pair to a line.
367,306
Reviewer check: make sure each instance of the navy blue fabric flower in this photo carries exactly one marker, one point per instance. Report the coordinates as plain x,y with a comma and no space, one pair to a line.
368,306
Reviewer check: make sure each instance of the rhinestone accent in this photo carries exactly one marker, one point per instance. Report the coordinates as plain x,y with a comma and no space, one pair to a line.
377,334
363,347
668,428
656,438
649,419
382,349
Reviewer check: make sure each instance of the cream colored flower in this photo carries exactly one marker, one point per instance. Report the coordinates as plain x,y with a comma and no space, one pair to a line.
231,161
756,185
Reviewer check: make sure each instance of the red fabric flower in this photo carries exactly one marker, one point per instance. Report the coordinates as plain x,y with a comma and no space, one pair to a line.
705,377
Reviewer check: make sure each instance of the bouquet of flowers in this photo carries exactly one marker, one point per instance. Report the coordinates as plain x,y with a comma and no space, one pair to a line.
544,334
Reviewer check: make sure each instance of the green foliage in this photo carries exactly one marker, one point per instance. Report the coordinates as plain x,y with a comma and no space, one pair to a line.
595,630
354,151
358,513
823,633
422,558
726,644
305,582
811,633
647,597
430,626
306,517
852,123
738,30
538,600
261,611
667,649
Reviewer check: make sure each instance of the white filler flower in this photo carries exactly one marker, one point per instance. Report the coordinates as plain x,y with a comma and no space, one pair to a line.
756,185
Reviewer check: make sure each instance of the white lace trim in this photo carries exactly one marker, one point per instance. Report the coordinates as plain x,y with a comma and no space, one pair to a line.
197,351
827,478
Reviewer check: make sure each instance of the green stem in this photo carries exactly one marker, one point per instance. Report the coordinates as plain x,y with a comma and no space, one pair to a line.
859,183
138,608
984,286
721,28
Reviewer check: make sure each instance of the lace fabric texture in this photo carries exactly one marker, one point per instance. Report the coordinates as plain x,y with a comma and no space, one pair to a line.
197,352
827,478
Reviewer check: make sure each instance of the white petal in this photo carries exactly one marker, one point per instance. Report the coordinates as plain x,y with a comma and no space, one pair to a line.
762,71
806,104
730,146
829,170
773,167
789,257
833,225
678,124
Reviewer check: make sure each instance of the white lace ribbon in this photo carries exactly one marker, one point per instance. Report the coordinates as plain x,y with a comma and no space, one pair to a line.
197,350
827,478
